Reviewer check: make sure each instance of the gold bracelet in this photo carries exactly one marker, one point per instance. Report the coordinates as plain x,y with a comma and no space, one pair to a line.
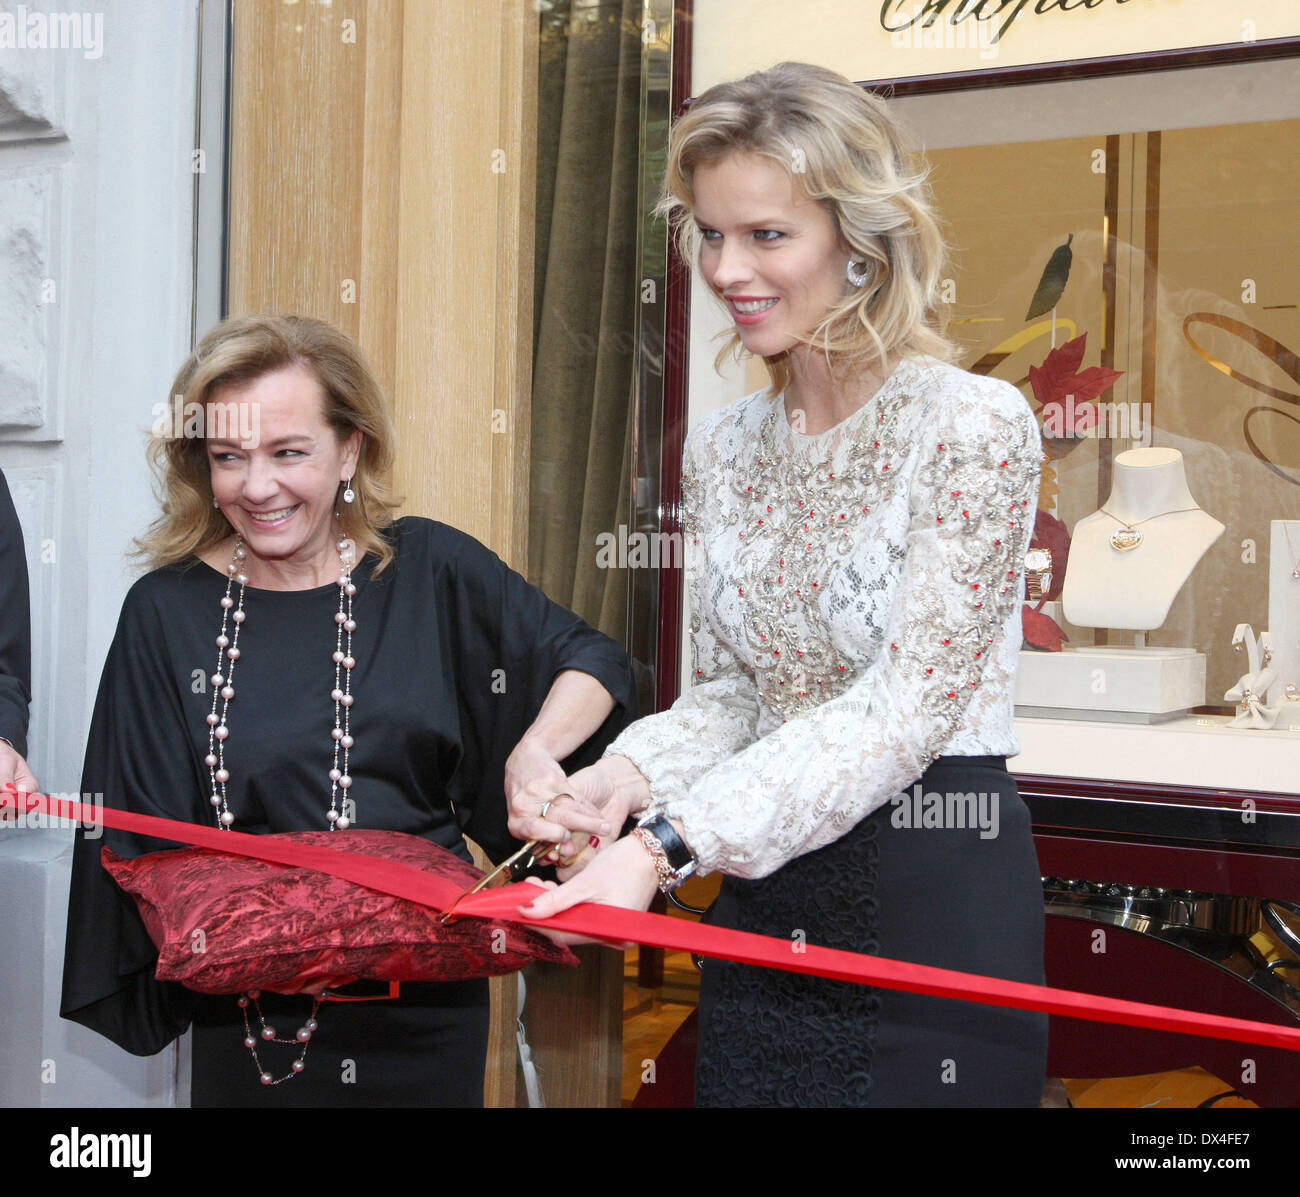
664,871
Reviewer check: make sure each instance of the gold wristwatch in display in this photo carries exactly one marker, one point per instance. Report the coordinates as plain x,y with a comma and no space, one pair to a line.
1038,574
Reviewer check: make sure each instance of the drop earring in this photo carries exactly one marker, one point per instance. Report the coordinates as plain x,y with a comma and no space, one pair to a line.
856,273
348,493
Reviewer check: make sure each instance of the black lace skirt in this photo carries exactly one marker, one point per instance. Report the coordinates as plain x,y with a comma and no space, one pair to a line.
965,897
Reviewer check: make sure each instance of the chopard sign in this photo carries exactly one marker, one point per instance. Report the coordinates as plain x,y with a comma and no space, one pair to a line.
897,15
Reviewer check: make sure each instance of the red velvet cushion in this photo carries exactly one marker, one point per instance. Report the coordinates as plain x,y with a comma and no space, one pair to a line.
226,924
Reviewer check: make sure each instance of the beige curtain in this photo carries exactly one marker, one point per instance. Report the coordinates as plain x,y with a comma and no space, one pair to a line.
586,292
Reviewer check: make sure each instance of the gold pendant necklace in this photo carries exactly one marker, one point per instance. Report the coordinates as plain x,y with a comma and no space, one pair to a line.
1127,538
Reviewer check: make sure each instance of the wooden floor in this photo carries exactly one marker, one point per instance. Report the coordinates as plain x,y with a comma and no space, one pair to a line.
650,1016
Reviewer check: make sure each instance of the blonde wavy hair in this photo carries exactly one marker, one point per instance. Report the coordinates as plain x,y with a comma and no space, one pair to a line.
240,350
843,146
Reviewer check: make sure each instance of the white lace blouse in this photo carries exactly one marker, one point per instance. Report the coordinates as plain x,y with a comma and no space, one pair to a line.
855,611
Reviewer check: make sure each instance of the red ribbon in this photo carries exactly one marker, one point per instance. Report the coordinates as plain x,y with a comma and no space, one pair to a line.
656,930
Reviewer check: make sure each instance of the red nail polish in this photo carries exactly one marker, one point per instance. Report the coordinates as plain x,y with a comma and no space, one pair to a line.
594,842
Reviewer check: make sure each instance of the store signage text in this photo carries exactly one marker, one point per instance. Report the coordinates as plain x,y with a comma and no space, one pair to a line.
897,15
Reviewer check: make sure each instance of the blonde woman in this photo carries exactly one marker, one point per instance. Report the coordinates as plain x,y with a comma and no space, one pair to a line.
859,529
300,660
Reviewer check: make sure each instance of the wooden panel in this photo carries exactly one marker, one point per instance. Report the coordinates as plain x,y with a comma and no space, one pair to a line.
378,215
574,1019
296,162
382,178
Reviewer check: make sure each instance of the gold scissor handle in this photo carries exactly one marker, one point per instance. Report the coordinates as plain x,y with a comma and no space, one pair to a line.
534,848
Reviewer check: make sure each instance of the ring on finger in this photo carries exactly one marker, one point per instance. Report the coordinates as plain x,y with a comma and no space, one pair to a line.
550,802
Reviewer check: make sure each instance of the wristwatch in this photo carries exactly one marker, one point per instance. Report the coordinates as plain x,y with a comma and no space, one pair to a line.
674,861
1038,573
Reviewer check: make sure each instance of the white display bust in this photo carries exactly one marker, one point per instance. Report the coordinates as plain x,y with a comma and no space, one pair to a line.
1107,588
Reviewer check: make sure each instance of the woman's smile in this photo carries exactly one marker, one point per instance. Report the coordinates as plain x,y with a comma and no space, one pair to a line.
267,518
745,310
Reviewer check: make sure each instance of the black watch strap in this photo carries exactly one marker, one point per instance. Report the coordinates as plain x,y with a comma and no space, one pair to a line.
680,858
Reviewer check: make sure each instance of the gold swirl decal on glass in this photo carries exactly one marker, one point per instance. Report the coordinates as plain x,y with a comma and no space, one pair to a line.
1285,359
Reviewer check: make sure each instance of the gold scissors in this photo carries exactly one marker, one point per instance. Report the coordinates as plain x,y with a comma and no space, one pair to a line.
534,849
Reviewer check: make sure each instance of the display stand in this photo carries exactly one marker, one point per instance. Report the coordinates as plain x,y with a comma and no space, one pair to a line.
1111,684
1128,561
1284,620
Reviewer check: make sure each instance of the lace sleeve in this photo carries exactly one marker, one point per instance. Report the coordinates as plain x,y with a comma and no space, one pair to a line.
813,778
718,715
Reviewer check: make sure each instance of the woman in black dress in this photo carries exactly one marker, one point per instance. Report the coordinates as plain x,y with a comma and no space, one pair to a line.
856,534
299,660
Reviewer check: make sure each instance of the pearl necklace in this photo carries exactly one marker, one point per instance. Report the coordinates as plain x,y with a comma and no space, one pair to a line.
339,815
223,689
269,1035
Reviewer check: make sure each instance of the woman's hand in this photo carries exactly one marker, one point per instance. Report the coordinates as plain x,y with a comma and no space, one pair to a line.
623,874
575,706
535,783
615,787
13,769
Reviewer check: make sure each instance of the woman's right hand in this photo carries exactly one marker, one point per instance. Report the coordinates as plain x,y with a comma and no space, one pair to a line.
624,875
550,812
603,796
615,787
14,771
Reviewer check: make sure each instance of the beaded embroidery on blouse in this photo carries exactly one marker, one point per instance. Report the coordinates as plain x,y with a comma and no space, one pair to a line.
855,602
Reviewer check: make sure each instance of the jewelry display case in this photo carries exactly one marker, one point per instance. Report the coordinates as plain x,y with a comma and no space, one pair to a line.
1123,252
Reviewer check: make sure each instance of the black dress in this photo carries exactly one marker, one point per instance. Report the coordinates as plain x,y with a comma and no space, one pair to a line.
455,654
15,627
952,897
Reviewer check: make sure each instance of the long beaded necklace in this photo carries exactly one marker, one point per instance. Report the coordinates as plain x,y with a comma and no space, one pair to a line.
338,817
223,689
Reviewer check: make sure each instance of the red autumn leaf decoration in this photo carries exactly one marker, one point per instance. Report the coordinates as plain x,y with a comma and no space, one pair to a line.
1065,394
1059,375
1042,631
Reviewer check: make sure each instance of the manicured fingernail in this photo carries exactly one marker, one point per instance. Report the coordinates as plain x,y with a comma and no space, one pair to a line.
594,842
